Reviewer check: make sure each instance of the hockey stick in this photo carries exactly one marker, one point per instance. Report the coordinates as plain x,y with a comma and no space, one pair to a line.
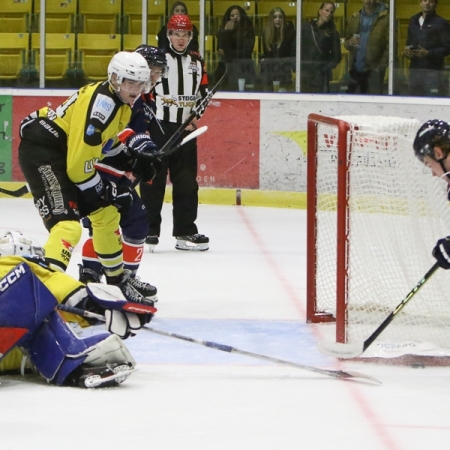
17,193
353,350
194,113
165,151
226,348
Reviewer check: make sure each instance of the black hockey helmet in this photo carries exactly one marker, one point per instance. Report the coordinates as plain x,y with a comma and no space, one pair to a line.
431,133
154,56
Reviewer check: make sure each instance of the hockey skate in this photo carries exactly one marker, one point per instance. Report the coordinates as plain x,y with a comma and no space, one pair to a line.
127,284
152,242
104,376
194,242
146,289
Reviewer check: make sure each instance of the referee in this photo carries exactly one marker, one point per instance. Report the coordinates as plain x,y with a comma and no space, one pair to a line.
184,87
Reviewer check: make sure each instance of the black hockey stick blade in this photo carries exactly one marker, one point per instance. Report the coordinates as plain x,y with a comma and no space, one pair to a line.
346,375
17,193
353,350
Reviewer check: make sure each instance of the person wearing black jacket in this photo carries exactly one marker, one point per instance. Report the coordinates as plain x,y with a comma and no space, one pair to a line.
235,42
321,50
278,40
427,45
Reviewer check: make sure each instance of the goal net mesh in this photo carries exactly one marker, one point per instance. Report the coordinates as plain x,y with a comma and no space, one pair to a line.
396,213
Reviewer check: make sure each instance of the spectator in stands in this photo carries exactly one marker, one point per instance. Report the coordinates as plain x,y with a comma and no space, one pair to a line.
278,42
236,40
367,40
321,50
163,40
427,45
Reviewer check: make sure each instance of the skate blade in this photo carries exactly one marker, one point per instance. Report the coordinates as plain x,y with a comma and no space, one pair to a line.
189,246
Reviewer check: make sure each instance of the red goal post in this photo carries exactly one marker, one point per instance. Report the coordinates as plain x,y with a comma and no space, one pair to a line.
373,218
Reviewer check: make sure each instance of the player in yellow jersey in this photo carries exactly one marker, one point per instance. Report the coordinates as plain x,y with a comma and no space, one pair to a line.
58,152
30,324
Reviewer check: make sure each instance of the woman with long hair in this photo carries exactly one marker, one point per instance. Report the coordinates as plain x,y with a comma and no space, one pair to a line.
163,40
278,39
236,40
320,50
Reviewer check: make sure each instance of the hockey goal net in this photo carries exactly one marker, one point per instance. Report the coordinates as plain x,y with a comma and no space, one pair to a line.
374,216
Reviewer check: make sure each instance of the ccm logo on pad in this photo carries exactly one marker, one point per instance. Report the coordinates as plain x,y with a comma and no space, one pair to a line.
11,278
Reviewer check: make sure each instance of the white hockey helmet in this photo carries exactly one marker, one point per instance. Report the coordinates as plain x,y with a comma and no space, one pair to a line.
14,243
129,65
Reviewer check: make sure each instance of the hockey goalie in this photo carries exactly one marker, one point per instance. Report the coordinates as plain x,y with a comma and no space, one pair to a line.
36,335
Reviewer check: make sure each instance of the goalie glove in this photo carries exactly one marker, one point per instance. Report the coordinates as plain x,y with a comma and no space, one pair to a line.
122,323
442,252
123,317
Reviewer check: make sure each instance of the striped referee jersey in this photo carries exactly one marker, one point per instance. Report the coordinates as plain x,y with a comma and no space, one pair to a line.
185,86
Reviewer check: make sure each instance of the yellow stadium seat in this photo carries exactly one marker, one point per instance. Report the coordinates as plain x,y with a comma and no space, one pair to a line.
15,17
60,16
405,12
209,56
13,55
352,8
95,53
100,16
338,80
132,41
132,11
59,54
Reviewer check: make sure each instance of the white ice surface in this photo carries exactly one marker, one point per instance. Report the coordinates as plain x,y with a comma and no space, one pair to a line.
247,291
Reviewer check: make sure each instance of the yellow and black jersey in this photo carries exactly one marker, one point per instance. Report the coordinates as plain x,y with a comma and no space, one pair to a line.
90,120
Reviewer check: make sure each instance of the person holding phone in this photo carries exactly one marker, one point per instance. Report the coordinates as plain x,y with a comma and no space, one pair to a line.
427,45
235,42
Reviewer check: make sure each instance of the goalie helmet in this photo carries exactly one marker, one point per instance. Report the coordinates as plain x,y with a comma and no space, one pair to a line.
129,65
154,56
431,133
14,243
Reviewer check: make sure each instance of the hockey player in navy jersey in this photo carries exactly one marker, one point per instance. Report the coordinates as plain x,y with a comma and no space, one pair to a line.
432,148
32,327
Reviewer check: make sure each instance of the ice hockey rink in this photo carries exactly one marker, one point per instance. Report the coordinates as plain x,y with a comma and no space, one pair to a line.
248,291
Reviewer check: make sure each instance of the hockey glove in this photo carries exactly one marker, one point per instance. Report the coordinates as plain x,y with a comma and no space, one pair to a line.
442,252
123,317
142,149
145,167
123,324
119,196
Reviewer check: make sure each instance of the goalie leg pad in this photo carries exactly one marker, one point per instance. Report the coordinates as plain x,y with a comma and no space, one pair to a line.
56,351
24,304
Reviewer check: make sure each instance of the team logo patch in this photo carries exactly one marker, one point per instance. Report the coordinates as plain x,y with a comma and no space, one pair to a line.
169,101
103,108
192,68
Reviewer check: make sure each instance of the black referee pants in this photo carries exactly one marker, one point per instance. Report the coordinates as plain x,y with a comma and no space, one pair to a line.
182,169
